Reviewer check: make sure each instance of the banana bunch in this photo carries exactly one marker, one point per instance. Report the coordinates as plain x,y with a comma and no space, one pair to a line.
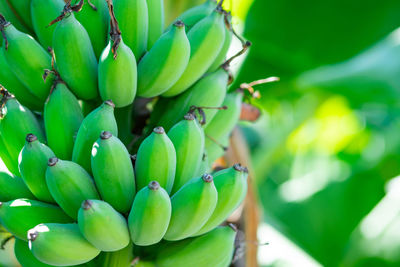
90,181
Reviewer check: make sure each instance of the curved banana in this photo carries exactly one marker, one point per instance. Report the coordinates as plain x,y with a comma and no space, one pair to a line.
60,133
103,226
192,206
215,248
150,215
20,215
132,16
206,39
120,258
25,256
164,64
113,172
22,9
231,185
13,187
7,12
156,160
27,59
100,119
60,244
156,21
188,139
69,184
75,58
43,12
5,156
117,68
32,165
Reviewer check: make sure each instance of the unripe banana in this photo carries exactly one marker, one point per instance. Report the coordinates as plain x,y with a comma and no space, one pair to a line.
75,58
7,12
206,39
231,185
22,8
113,172
117,68
156,21
212,249
124,117
188,139
43,12
192,206
20,215
32,163
7,159
103,226
16,122
216,149
60,244
12,187
69,184
94,17
25,256
132,16
156,160
27,59
120,258
164,64
150,215
61,133
101,119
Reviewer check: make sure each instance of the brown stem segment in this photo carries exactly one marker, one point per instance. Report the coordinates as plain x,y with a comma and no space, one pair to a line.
3,24
115,33
92,5
202,113
227,63
68,8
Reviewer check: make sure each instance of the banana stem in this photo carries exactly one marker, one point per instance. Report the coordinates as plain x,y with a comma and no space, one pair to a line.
115,32
217,143
4,23
92,5
202,113
227,63
67,10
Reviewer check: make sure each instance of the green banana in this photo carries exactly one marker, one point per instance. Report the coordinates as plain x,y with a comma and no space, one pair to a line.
94,17
113,172
101,119
215,249
15,87
7,160
27,59
132,16
204,165
124,116
43,12
22,9
8,12
192,206
16,122
32,165
75,58
103,226
12,187
231,185
156,21
188,139
206,39
120,258
61,132
156,160
69,185
60,244
20,215
164,64
25,256
150,215
216,149
117,68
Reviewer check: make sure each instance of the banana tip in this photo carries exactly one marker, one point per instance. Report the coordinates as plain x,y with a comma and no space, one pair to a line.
238,167
109,103
208,178
30,138
105,135
52,161
179,24
154,185
233,227
189,117
159,130
87,204
32,236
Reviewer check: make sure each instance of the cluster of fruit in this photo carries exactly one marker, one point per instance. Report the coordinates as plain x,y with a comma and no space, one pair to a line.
76,194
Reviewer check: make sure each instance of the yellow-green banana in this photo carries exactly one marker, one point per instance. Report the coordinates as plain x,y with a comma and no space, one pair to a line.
156,160
60,244
75,58
132,16
26,58
150,215
117,68
13,187
192,206
231,185
113,172
103,226
20,215
156,21
69,184
61,133
25,256
206,39
94,17
100,119
215,249
188,139
22,9
32,165
43,12
120,258
164,64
